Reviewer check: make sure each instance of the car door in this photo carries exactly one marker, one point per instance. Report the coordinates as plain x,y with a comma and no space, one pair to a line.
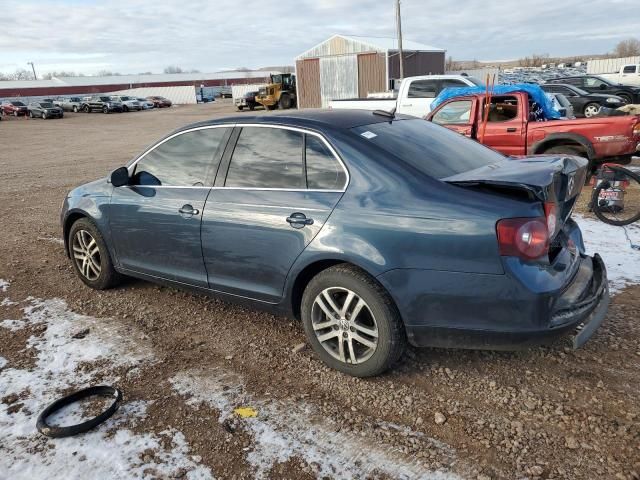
420,95
457,115
276,188
155,221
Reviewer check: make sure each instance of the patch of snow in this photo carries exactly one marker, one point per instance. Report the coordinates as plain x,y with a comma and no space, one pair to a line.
58,241
4,285
282,430
622,261
13,325
3,362
7,302
27,455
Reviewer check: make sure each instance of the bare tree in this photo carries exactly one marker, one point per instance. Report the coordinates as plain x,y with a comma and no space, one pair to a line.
627,48
173,69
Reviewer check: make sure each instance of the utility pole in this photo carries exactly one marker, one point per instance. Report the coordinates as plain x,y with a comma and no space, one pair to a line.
399,29
34,70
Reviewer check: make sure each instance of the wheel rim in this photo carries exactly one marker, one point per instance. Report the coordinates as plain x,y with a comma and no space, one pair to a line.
591,110
86,254
344,325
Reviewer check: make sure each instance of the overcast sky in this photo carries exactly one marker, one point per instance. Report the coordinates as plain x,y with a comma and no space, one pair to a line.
132,36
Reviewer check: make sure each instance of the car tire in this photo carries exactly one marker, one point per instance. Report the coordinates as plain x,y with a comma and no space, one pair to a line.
105,109
591,109
125,109
252,107
15,114
31,114
377,322
103,276
75,109
626,97
285,101
44,116
240,107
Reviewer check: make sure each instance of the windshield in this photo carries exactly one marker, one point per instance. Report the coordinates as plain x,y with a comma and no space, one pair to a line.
125,99
17,104
476,81
74,99
434,150
105,99
46,105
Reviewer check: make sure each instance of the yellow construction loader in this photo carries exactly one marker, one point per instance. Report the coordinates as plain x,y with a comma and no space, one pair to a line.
280,93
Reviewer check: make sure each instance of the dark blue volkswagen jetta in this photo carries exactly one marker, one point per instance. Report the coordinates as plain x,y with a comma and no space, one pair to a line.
375,230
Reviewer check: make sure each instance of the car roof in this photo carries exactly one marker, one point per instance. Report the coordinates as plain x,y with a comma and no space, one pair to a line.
310,118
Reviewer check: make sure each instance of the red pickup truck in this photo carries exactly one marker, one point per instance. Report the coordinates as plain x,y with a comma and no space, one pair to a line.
511,130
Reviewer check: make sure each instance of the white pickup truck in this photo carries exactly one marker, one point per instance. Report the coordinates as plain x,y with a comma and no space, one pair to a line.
414,96
628,75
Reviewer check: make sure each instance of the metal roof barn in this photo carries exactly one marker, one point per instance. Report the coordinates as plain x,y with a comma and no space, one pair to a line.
344,67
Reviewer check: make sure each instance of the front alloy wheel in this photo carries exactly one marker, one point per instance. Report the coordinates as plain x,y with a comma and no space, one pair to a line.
86,254
344,325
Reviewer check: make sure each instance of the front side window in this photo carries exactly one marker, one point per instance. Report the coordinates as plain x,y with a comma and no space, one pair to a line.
423,89
186,160
266,158
452,113
324,172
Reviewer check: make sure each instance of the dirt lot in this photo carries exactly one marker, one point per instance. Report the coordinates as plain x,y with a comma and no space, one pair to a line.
547,412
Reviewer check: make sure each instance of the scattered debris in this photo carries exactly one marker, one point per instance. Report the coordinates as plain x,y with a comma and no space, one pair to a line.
299,347
246,412
81,334
439,418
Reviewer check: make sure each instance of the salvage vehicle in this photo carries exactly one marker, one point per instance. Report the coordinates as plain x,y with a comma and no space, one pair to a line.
102,103
414,96
44,110
510,129
306,215
597,84
627,75
145,104
128,103
585,104
71,104
159,102
247,100
14,108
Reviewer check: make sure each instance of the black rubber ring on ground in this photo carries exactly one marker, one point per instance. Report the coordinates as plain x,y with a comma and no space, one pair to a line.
59,432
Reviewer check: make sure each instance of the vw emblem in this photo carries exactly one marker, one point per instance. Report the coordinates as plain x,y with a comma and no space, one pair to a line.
572,183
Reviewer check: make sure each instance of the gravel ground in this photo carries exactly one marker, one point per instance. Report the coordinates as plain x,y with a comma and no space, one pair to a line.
547,412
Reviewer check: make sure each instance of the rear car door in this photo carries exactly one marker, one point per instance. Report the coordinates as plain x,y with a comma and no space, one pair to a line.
276,188
155,221
506,128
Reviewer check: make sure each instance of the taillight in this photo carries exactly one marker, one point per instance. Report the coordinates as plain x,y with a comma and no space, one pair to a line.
526,238
551,213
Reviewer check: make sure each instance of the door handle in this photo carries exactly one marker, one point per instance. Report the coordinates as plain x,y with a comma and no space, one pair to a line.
299,220
188,210
511,130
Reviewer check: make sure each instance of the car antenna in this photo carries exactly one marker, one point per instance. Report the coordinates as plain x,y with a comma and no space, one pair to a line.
390,114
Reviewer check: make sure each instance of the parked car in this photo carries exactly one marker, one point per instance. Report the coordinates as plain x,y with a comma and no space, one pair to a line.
15,108
597,84
510,130
393,230
627,75
145,104
70,104
159,102
585,104
103,104
128,103
414,96
247,100
44,110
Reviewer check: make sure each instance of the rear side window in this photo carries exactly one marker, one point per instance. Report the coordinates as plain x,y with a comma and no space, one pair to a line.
629,69
423,89
186,160
266,158
433,150
324,172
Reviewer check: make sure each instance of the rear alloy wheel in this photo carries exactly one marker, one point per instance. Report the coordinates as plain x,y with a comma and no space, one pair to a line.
591,109
351,322
15,113
44,115
90,256
87,109
31,114
75,109
105,109
626,97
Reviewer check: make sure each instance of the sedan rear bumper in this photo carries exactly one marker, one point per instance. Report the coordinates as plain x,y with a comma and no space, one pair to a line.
490,320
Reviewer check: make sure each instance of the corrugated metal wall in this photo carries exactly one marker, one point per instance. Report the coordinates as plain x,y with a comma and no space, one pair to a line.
335,46
177,95
416,63
610,65
338,78
372,73
308,81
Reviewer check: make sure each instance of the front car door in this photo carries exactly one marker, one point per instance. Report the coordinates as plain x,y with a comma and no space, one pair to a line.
280,186
457,115
155,221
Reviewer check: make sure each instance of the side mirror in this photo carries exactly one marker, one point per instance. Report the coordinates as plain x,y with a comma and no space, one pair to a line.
603,86
120,177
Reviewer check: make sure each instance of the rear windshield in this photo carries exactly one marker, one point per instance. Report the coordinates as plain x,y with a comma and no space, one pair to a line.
46,104
434,150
